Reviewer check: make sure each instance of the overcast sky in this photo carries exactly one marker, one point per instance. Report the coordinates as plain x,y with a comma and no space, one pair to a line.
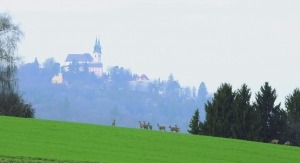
215,41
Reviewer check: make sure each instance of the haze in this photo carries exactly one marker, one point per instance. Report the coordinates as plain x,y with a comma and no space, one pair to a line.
214,41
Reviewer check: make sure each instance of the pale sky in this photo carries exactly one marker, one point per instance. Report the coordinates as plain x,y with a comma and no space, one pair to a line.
215,41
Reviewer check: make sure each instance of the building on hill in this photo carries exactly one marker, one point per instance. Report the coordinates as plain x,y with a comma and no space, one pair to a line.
140,83
93,61
80,58
57,79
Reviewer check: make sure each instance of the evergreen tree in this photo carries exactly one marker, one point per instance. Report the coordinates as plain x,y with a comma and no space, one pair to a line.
219,112
245,118
202,98
271,117
208,125
292,105
195,124
172,87
202,93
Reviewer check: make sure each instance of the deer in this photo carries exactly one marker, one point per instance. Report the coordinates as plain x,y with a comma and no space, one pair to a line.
161,128
173,128
177,128
141,125
149,126
275,141
113,123
145,125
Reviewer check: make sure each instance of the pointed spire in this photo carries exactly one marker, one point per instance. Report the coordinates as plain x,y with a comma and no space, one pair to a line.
97,46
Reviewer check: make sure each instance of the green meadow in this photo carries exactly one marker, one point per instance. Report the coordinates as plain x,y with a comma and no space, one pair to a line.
34,140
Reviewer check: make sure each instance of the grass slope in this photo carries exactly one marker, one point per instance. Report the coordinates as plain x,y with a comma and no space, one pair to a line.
47,141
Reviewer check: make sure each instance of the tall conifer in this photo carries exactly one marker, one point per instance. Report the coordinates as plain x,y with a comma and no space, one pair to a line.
245,118
219,112
292,105
195,124
271,117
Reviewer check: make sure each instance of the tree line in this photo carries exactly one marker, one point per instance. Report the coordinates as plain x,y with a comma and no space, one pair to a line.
230,114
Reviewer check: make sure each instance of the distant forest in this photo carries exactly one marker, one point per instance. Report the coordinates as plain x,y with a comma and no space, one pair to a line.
84,97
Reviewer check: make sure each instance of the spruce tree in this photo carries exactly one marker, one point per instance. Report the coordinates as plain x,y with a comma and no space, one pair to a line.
219,113
195,124
292,105
271,117
202,94
245,118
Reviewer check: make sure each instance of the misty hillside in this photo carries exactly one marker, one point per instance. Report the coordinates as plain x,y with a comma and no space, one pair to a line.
119,94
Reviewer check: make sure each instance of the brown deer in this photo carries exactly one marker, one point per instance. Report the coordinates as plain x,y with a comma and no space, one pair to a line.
161,128
141,125
146,125
149,126
177,129
113,123
172,128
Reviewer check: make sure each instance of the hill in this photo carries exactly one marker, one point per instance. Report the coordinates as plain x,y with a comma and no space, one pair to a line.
118,94
53,141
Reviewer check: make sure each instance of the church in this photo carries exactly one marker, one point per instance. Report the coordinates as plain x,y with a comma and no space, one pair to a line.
92,61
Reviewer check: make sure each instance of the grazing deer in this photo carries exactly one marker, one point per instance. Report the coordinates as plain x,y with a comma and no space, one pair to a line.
145,126
113,123
287,143
177,129
149,126
172,128
161,127
275,141
141,125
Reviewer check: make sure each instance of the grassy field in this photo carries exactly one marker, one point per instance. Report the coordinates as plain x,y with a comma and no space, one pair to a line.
36,140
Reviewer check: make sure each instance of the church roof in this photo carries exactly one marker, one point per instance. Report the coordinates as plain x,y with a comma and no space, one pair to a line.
85,57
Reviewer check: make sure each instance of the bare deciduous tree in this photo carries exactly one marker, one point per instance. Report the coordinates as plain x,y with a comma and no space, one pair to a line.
11,103
10,34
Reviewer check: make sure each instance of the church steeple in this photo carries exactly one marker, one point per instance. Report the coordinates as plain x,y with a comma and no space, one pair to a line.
97,46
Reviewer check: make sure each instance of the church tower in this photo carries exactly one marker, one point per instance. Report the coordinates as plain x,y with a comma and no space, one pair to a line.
97,52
